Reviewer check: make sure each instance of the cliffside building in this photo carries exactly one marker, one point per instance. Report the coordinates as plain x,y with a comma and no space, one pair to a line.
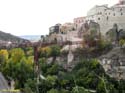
78,22
107,16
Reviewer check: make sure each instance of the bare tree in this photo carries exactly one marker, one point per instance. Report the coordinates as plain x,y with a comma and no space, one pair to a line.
115,27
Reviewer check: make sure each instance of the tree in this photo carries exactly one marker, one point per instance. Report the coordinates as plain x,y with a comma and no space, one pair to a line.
53,91
115,27
91,39
3,55
122,42
45,52
101,87
51,80
55,51
28,51
78,89
23,72
53,70
17,54
30,60
111,35
19,71
8,69
30,86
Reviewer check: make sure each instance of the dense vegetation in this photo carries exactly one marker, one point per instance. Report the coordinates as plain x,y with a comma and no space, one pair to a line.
88,76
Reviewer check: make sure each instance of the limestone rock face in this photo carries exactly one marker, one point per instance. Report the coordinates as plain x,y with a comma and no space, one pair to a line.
70,57
114,63
86,28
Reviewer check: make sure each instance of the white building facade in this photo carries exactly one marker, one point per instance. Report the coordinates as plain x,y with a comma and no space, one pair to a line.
108,16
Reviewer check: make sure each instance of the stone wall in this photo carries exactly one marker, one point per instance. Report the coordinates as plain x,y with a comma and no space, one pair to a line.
106,17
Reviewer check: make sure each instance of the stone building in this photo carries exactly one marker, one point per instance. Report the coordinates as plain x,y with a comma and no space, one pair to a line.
107,16
79,21
54,29
67,27
62,33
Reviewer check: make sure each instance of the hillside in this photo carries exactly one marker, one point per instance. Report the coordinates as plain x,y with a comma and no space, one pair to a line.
31,37
9,37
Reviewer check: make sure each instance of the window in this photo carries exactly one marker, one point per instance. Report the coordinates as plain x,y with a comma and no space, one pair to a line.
121,13
98,18
62,33
114,14
121,9
107,18
109,13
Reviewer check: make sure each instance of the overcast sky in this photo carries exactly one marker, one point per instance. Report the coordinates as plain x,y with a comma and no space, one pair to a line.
34,17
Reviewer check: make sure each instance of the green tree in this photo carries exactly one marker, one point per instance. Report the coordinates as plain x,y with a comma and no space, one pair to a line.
28,51
58,91
55,51
8,69
19,71
101,87
4,55
23,72
122,42
53,91
53,70
17,54
78,89
51,80
30,86
45,52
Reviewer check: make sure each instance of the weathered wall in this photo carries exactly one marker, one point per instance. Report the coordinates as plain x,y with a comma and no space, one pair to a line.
106,17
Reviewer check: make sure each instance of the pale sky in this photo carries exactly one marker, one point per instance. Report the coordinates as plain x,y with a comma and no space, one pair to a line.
34,17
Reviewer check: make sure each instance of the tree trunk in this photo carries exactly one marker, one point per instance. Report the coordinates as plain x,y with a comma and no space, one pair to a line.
54,58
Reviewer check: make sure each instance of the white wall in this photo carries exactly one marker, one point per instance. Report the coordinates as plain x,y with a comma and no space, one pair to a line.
113,14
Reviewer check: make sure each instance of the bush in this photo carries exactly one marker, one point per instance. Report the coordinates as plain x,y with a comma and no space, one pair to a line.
121,42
